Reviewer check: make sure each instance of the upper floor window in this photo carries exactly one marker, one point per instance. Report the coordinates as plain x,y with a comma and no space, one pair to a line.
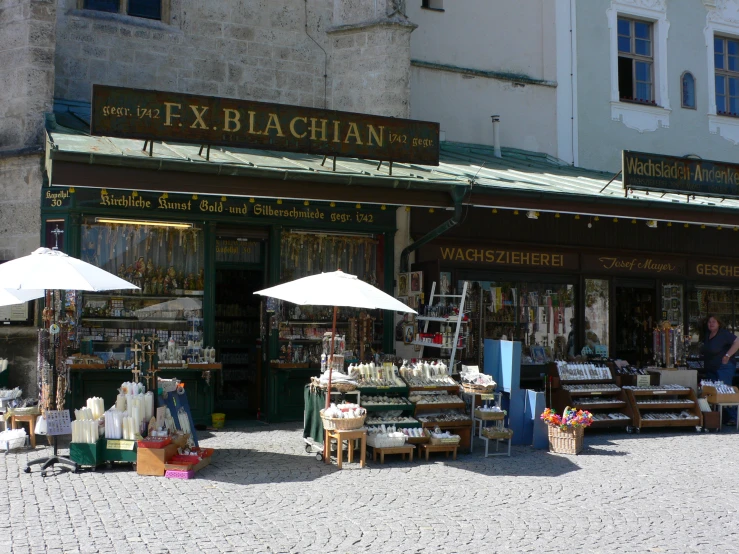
433,4
726,64
687,87
635,60
149,9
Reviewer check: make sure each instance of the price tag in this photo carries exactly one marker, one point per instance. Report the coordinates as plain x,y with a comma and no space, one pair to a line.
660,392
58,423
121,445
643,380
487,396
383,387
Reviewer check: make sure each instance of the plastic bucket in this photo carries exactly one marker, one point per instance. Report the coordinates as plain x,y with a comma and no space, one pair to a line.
219,420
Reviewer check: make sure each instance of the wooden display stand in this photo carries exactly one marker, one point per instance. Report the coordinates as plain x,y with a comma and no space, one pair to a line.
721,401
402,450
463,428
645,400
339,436
152,461
591,400
15,419
426,449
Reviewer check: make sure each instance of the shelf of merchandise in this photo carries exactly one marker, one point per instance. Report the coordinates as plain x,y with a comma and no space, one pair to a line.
136,296
589,400
463,428
638,409
387,391
138,320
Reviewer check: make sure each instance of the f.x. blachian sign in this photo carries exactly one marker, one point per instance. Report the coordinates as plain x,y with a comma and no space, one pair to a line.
176,117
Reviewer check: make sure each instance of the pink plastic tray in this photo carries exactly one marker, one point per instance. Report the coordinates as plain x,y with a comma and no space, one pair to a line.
176,474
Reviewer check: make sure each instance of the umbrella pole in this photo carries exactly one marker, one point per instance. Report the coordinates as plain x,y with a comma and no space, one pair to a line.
326,445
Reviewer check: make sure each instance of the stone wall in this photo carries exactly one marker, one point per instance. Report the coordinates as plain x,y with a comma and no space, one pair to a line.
27,41
249,49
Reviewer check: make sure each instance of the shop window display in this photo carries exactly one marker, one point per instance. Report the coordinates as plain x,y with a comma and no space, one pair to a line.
597,319
540,315
167,263
302,328
722,302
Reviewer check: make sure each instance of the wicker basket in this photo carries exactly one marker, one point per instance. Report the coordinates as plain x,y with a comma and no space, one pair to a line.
567,441
477,389
489,416
497,433
342,424
380,440
343,386
451,441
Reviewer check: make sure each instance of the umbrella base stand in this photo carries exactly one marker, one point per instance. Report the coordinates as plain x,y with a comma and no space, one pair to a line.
51,461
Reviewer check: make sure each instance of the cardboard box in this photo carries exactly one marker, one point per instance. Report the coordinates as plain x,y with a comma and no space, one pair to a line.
151,461
711,420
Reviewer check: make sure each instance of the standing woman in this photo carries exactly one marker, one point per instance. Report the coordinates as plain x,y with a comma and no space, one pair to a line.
718,349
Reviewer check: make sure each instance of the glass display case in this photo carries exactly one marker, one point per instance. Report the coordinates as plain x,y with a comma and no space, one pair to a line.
704,301
166,261
597,318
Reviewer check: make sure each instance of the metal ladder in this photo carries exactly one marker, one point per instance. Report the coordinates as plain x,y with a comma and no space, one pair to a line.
433,299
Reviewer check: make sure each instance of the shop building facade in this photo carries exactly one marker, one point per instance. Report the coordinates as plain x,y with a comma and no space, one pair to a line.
326,54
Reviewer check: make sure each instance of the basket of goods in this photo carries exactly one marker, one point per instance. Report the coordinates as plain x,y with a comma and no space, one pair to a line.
439,438
497,433
340,382
416,435
475,382
343,417
566,432
490,414
12,438
386,440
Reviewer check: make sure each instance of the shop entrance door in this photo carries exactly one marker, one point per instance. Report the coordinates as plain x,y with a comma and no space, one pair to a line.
635,312
238,340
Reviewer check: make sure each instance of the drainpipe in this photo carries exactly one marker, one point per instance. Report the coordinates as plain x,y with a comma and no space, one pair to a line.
496,136
457,195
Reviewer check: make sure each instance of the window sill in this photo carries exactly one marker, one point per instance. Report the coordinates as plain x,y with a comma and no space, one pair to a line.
122,18
726,126
640,117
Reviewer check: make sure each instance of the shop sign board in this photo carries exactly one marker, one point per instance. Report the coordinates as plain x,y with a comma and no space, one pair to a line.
154,204
715,269
633,265
543,258
658,173
173,116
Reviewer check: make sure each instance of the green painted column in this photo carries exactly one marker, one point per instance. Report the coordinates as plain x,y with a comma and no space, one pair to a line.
388,328
209,294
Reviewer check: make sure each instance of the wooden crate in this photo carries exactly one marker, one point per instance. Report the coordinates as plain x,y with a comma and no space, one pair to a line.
151,461
715,398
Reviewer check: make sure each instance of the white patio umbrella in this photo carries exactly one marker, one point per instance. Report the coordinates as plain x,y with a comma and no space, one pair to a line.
334,289
11,297
47,269
174,305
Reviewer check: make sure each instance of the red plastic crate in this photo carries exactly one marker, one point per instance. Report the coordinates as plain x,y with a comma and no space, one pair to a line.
154,443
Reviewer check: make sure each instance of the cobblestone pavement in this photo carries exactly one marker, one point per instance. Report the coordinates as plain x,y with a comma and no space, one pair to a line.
654,492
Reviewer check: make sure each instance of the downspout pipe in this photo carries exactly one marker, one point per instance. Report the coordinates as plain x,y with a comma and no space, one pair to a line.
457,196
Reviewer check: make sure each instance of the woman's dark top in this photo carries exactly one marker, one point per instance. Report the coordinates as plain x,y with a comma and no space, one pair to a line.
716,348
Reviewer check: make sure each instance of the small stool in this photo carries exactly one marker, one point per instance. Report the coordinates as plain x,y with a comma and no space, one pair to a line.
340,435
446,448
497,434
26,418
402,450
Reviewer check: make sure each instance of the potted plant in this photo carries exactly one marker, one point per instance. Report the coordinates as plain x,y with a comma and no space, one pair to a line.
566,431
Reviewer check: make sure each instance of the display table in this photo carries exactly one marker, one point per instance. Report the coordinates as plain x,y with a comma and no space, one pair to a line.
446,448
684,377
402,450
15,419
340,436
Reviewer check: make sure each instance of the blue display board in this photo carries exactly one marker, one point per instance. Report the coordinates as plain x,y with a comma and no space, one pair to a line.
503,363
175,401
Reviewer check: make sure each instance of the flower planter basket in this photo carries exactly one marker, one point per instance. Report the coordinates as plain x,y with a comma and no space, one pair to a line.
568,441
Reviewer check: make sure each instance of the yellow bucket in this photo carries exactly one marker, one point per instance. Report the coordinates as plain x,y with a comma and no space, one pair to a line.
219,420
